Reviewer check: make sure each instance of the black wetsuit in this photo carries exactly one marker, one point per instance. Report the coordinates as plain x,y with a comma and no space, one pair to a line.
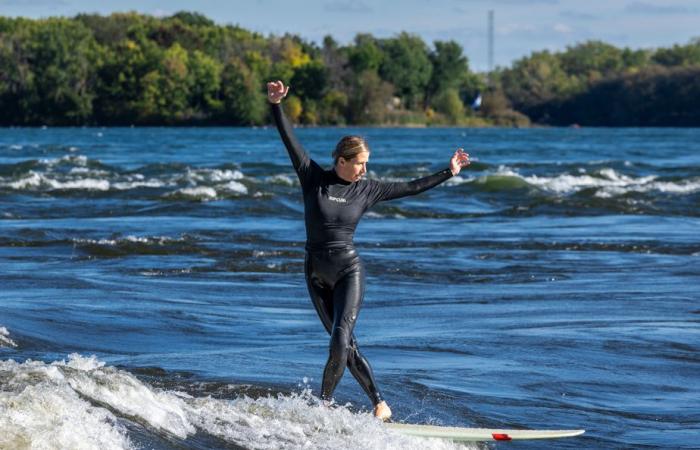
334,273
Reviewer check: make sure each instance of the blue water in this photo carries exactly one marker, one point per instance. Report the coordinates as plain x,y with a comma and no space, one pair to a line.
553,284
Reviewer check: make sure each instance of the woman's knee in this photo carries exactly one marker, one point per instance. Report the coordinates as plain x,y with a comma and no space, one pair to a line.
341,342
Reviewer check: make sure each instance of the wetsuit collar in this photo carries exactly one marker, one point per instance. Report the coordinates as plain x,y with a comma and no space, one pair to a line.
338,179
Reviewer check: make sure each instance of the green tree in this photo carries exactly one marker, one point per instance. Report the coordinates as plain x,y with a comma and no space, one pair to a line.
365,54
678,55
293,108
120,90
258,62
369,98
64,58
635,59
165,89
310,80
450,104
310,112
656,96
336,61
535,80
496,106
591,60
450,67
332,108
193,19
109,30
17,89
170,31
205,85
407,66
244,101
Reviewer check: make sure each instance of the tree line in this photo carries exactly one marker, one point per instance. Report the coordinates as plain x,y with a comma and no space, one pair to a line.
134,69
594,83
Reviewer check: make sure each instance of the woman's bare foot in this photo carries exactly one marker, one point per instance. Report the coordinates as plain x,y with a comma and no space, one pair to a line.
382,411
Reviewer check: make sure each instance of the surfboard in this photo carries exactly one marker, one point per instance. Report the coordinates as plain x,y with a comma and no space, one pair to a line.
479,434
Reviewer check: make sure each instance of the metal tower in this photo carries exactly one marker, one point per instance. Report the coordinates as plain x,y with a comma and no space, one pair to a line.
490,41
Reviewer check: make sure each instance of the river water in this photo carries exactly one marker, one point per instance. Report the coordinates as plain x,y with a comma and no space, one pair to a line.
152,291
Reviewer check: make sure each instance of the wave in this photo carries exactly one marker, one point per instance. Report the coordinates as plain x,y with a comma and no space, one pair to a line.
605,183
521,190
83,403
79,173
78,160
129,240
138,245
5,340
181,182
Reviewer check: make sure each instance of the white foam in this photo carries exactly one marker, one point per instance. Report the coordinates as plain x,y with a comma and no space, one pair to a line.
199,184
41,411
683,187
126,394
607,181
263,253
457,180
88,171
37,180
5,340
89,184
75,361
282,179
299,421
147,240
46,406
94,241
78,160
125,186
226,175
212,175
235,186
563,184
195,193
32,179
158,240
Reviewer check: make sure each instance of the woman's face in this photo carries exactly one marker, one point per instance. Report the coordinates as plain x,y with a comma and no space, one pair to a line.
352,170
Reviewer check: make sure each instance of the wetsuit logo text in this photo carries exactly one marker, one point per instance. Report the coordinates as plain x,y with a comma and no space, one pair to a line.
337,199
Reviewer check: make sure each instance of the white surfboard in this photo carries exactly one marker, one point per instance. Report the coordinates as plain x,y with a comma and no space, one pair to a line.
479,434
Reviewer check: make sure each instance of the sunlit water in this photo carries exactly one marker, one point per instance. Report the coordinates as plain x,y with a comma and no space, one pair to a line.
152,294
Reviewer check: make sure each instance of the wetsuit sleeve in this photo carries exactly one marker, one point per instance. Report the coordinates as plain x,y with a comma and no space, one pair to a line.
389,191
300,159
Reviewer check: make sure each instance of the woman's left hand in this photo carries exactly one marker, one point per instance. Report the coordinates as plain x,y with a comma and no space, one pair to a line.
459,159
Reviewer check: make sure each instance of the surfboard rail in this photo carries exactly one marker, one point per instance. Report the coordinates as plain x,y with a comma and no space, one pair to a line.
479,434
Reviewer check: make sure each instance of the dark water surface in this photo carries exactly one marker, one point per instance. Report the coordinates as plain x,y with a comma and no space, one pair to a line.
152,295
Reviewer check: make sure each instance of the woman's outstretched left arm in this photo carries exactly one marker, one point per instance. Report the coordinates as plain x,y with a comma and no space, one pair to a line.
390,191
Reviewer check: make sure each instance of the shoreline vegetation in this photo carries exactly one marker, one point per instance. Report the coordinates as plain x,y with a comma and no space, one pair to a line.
184,70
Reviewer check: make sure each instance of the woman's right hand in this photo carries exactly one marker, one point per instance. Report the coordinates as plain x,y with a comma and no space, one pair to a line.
276,91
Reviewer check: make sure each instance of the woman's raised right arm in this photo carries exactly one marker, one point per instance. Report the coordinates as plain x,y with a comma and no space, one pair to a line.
276,91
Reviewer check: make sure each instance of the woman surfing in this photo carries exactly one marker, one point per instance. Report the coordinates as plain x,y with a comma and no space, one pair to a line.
334,202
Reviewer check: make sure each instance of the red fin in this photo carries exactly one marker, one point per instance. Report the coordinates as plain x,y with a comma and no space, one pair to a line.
501,436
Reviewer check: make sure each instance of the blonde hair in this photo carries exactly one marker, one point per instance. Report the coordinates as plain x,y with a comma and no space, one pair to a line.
348,147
